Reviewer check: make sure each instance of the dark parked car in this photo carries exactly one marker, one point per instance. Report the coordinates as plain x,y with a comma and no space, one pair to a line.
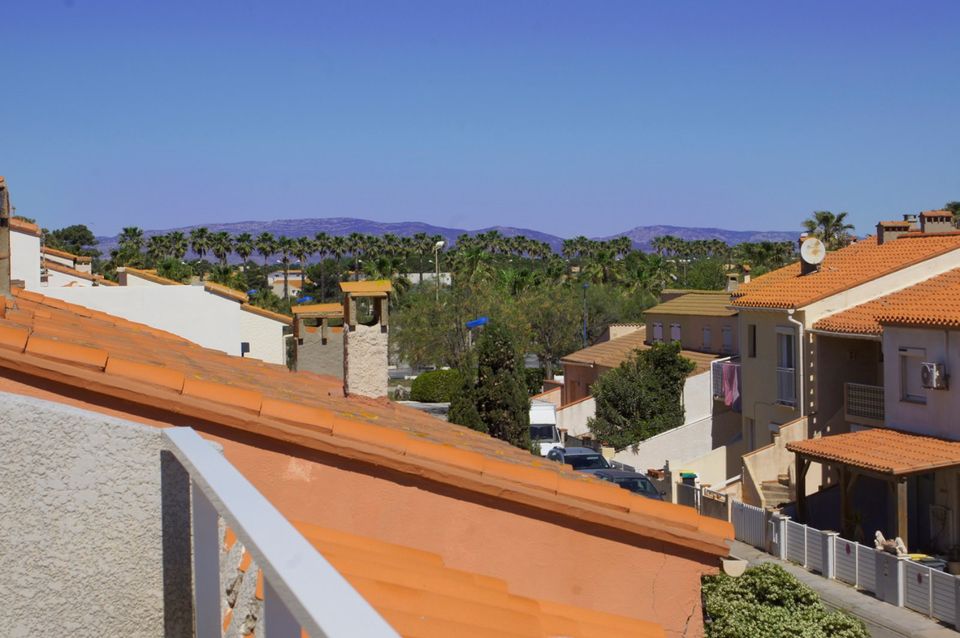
633,481
579,458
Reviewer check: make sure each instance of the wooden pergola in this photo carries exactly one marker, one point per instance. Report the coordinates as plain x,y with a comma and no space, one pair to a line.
888,455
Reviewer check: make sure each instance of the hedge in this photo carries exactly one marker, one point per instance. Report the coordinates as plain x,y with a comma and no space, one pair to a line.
437,386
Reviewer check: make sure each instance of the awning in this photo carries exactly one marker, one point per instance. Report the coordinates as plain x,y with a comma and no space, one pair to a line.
881,451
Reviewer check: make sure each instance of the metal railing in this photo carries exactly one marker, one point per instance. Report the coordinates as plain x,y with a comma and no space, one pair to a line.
896,580
302,591
787,386
716,374
863,403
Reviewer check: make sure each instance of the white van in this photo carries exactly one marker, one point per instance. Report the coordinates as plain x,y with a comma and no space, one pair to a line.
543,426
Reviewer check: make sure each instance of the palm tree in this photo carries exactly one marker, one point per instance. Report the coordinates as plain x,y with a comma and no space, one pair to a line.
321,245
176,244
157,247
338,248
243,246
131,239
200,241
266,245
832,229
285,247
303,247
221,245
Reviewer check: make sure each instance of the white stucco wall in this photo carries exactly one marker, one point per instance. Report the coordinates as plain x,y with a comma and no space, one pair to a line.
265,337
689,441
573,417
25,259
187,311
59,280
938,417
133,280
63,261
697,397
84,532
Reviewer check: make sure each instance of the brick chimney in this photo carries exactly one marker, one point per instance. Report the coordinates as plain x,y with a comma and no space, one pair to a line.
936,221
888,231
4,238
319,344
365,342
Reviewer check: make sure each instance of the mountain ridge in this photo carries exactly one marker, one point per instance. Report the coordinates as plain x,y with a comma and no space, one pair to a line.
641,236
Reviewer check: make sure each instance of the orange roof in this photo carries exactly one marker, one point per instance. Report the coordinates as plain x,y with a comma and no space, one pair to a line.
936,213
269,314
882,450
65,255
852,266
934,302
66,270
366,287
152,370
895,224
328,309
150,275
419,595
225,291
610,354
23,226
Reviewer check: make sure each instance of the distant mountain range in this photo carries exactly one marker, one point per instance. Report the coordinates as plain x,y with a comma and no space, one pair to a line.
641,235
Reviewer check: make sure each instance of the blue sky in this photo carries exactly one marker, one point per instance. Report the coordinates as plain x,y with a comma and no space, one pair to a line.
569,117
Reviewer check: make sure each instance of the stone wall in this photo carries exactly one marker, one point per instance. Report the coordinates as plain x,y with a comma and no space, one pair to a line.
365,360
94,525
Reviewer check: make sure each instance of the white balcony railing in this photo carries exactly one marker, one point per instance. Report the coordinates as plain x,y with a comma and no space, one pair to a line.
302,591
787,386
863,403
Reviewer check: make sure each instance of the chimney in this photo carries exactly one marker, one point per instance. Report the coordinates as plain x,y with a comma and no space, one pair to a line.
913,220
4,239
365,342
805,267
319,345
888,231
936,221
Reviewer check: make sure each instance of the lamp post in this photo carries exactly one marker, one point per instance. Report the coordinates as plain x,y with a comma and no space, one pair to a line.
585,286
436,262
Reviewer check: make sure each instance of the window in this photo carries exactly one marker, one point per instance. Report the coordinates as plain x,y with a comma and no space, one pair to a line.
786,367
675,331
707,339
658,332
727,333
752,340
911,388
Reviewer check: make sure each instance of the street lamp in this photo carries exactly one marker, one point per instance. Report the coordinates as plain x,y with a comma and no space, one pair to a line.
436,262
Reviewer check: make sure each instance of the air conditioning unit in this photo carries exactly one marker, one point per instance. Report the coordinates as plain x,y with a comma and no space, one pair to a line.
932,375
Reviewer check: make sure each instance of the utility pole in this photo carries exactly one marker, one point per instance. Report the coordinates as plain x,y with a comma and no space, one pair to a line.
4,239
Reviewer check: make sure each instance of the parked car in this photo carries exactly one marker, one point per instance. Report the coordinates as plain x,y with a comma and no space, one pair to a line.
579,458
633,481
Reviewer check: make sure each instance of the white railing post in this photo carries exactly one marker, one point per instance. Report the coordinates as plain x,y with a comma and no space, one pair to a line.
828,556
206,564
278,622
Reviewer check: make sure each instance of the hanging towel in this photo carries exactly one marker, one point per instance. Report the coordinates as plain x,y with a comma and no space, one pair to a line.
731,384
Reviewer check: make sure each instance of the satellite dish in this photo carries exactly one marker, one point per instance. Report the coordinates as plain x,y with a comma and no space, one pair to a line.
812,251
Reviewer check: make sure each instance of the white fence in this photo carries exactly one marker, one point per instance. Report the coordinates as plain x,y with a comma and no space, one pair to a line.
301,589
893,579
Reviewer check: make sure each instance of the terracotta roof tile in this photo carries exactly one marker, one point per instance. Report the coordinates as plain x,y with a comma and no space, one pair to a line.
23,226
882,450
269,314
895,224
66,270
366,287
307,409
703,304
610,354
225,291
934,303
149,276
325,309
47,250
419,595
852,266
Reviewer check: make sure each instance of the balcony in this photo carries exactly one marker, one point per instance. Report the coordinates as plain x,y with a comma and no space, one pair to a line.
787,386
716,373
863,404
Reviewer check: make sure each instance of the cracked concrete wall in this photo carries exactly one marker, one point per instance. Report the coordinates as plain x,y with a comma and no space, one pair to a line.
84,502
365,360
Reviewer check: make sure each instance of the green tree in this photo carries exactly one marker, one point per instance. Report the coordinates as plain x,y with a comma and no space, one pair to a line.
243,246
501,389
77,239
555,321
832,229
200,241
173,268
640,398
266,245
221,245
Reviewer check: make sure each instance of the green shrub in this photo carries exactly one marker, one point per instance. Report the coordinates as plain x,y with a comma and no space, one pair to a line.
767,602
438,386
534,378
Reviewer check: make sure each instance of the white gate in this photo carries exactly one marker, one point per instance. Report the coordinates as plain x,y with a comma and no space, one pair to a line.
749,524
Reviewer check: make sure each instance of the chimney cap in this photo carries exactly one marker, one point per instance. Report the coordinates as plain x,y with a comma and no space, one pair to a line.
375,288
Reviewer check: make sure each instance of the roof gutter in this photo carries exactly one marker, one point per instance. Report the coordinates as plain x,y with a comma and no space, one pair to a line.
846,335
